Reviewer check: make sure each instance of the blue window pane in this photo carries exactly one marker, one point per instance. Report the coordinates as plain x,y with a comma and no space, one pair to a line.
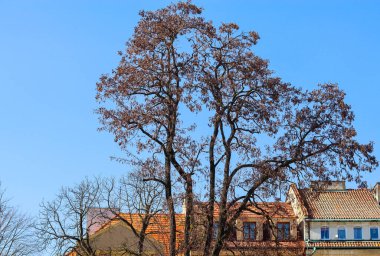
249,230
325,234
215,230
283,231
374,233
341,233
358,233
286,230
246,231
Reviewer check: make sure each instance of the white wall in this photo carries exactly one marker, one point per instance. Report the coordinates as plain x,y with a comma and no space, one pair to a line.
315,229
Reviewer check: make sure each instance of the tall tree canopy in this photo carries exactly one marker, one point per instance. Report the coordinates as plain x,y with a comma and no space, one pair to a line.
179,72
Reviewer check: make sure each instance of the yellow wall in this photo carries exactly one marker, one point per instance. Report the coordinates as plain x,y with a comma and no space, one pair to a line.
347,252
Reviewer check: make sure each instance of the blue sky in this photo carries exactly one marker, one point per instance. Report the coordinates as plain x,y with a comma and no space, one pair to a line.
53,52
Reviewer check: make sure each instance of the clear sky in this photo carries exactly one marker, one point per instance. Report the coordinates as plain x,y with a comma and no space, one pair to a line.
53,52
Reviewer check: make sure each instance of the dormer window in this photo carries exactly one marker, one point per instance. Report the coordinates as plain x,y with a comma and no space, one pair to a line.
249,230
283,231
325,233
215,230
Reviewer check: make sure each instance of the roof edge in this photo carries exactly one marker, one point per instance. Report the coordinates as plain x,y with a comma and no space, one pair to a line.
341,220
293,186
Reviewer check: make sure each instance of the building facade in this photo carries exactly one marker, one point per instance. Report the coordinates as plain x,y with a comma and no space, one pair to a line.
267,228
325,219
334,220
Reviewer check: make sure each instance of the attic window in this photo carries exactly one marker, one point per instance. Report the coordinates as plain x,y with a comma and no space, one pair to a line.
325,233
358,234
283,231
215,230
374,232
341,233
249,230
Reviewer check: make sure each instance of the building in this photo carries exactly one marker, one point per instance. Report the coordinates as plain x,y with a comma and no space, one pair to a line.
264,229
334,220
325,219
119,236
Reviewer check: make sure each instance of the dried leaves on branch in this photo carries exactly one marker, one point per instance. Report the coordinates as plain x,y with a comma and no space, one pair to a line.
180,72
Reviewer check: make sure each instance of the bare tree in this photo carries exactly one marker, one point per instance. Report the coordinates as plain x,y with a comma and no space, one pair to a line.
68,223
263,133
16,230
148,90
64,223
136,202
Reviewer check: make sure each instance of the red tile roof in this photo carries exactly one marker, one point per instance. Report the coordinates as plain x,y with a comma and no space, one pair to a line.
346,204
345,244
273,209
158,229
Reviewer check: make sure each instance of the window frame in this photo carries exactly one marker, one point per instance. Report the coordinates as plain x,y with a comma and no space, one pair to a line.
249,224
361,232
282,230
325,230
370,233
215,230
345,233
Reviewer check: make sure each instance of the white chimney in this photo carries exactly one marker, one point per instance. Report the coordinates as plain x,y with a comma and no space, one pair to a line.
328,185
376,192
184,206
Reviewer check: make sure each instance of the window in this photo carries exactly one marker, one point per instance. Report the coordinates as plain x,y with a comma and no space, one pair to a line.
232,236
215,230
325,233
283,231
374,232
357,233
249,230
341,233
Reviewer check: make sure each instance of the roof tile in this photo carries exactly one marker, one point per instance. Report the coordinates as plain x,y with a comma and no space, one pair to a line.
346,204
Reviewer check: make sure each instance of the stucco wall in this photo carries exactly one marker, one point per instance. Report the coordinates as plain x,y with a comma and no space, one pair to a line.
315,229
348,252
120,236
296,205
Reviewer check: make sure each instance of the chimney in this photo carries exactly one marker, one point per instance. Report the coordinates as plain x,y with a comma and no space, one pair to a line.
184,206
97,217
328,185
376,192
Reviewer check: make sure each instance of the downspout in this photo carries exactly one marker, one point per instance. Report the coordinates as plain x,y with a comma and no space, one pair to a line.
307,248
308,240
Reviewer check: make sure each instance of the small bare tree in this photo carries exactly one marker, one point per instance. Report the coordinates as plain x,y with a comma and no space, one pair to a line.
68,222
136,202
16,230
64,222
